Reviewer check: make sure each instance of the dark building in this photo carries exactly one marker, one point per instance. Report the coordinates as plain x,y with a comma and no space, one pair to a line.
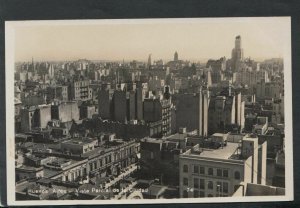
139,103
152,110
217,65
104,103
159,159
166,112
156,110
237,54
131,105
192,112
176,56
120,105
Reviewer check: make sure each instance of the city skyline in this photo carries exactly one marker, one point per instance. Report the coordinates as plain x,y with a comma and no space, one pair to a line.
113,130
134,40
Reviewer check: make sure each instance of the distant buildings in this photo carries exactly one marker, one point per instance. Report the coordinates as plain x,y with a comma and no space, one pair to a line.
192,112
184,129
225,112
65,111
80,90
35,117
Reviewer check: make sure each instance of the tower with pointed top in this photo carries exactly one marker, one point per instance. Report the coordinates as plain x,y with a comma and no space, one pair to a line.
149,61
176,56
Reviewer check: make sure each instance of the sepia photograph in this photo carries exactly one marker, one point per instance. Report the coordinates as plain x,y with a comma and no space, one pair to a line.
131,111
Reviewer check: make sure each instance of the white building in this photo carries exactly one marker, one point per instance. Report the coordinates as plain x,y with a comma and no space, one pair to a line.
215,172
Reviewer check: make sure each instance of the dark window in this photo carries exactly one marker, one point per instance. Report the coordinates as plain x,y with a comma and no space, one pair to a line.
185,168
91,166
225,187
210,171
219,172
210,185
196,193
202,170
225,173
237,175
196,169
185,194
196,183
185,182
210,195
202,194
202,184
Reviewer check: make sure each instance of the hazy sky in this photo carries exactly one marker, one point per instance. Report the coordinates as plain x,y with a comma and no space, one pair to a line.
193,39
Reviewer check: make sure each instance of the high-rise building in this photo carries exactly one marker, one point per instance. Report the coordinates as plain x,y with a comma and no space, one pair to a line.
35,117
104,103
65,111
51,71
226,111
166,112
176,56
238,102
237,54
131,105
139,103
149,61
120,105
159,110
80,90
192,111
221,113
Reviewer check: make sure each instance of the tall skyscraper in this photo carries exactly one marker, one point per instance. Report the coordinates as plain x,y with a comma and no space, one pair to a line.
149,61
166,111
104,103
139,103
131,102
176,56
237,54
120,105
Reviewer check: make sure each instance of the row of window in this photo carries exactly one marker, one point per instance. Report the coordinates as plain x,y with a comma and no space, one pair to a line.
211,171
108,159
102,161
221,187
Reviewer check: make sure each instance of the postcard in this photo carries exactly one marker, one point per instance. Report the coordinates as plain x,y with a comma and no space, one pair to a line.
138,111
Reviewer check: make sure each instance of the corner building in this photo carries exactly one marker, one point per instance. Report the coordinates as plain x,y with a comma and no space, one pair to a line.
218,172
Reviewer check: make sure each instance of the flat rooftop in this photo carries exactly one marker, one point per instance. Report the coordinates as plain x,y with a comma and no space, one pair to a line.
177,136
221,153
152,140
79,141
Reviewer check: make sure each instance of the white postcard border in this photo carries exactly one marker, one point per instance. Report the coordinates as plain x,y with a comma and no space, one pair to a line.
10,136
